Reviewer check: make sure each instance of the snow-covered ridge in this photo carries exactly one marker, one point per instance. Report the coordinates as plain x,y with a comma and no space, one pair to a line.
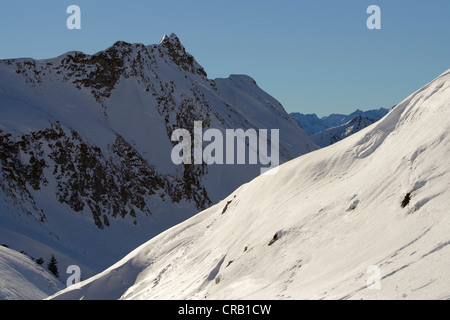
102,71
23,279
377,200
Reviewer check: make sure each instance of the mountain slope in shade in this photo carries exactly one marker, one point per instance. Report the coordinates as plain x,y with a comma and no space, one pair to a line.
85,148
331,136
317,228
23,279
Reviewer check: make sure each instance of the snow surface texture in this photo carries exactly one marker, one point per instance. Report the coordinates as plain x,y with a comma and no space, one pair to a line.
317,228
85,149
21,278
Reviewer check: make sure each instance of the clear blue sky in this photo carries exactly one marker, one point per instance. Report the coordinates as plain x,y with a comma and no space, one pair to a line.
314,56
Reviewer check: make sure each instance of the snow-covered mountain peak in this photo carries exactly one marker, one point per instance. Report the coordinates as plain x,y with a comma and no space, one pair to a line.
165,36
102,71
174,37
171,37
242,78
177,52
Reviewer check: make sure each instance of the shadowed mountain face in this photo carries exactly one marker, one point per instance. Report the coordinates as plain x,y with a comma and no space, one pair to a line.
85,147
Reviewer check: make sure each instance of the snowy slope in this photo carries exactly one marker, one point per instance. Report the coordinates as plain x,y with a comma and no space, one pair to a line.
316,228
23,279
335,134
85,148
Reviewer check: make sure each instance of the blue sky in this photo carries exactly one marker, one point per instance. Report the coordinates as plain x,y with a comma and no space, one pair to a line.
314,56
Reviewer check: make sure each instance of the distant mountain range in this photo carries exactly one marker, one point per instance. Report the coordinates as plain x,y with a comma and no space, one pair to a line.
332,135
312,124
